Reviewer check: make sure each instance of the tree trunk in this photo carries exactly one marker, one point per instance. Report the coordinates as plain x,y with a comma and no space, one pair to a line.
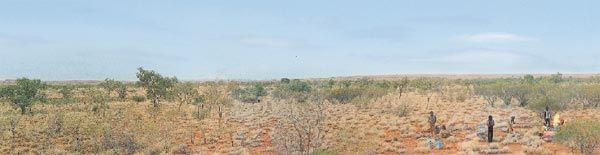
155,101
23,110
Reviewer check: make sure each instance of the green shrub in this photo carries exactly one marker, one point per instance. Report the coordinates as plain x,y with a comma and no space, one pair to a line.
355,94
294,89
250,94
284,80
583,135
344,95
201,113
122,92
555,96
185,93
138,98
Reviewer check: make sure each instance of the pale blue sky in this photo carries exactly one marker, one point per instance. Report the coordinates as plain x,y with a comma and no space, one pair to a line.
216,39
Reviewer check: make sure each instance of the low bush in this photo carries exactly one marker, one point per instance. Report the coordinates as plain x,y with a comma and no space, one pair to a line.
201,113
138,98
250,94
293,90
583,135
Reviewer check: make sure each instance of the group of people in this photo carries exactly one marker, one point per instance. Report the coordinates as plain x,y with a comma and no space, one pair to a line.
441,130
435,130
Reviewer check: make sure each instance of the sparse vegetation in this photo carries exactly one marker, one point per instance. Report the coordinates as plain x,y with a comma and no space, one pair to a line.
250,94
333,116
185,93
583,135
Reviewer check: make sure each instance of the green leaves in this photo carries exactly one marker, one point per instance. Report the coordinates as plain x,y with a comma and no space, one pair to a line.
294,89
250,94
110,85
580,134
25,93
185,93
157,86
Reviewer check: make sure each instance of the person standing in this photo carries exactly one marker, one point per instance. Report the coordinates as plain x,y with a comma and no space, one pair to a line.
547,116
511,122
432,120
490,129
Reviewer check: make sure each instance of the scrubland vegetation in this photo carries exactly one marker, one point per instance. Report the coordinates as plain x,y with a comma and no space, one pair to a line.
163,115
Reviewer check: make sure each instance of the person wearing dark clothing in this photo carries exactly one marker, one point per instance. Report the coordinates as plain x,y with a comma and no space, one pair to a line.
432,120
547,116
490,129
512,119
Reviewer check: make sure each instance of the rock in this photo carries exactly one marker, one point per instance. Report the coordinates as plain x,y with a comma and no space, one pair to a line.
547,136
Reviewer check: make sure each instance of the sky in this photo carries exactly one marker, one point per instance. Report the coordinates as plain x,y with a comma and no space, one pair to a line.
256,40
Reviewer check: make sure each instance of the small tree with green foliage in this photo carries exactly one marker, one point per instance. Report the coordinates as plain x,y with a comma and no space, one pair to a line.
401,86
488,92
528,79
295,89
557,78
185,93
215,96
67,93
157,86
110,86
555,96
522,93
25,93
285,80
122,92
589,95
250,94
427,87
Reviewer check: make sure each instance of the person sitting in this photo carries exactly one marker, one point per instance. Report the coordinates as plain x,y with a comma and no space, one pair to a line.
432,121
444,133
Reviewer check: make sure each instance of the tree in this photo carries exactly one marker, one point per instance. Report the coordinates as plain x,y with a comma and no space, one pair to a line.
122,92
528,79
285,80
557,97
217,97
185,93
299,86
557,78
250,94
488,92
157,86
295,89
427,87
589,95
67,93
522,93
25,93
504,91
401,86
110,85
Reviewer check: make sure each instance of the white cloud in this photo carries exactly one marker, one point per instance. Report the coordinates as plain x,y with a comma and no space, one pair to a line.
495,37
